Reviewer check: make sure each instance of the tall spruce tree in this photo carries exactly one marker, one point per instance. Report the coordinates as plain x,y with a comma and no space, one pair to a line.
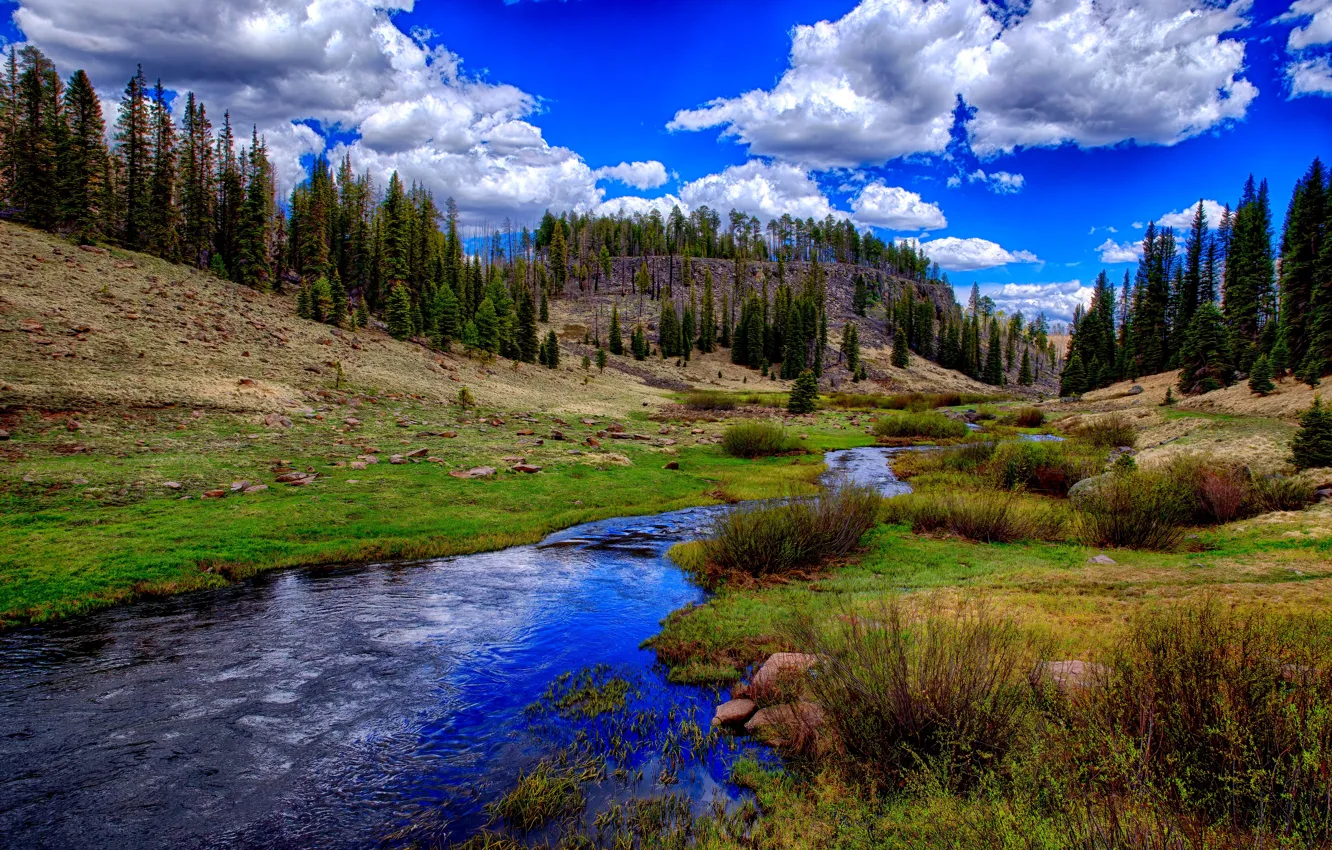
134,148
1205,359
994,358
40,136
83,162
162,223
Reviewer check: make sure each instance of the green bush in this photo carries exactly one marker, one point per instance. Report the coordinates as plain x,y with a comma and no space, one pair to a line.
1040,467
797,534
1107,431
758,439
1312,447
1029,417
944,695
931,425
1136,510
1280,493
709,400
986,516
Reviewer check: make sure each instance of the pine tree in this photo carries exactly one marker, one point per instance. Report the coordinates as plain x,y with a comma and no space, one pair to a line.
552,350
616,336
1312,446
1074,379
253,234
804,394
337,294
40,136
398,313
83,161
134,149
901,358
471,338
1302,241
993,373
162,223
668,330
559,262
707,322
1205,359
446,317
198,189
363,318
851,346
1024,373
860,298
527,329
487,326
601,360
1260,377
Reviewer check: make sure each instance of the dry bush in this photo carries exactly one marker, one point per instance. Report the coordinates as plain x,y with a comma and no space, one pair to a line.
762,541
758,439
1134,510
1039,467
986,516
1029,417
709,400
929,425
1107,431
903,693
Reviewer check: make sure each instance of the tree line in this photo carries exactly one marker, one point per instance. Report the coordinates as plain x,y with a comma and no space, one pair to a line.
1225,303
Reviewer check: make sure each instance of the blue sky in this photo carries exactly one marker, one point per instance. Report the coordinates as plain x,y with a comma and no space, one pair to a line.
1086,117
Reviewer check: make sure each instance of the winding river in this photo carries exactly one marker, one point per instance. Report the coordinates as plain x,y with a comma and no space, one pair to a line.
334,707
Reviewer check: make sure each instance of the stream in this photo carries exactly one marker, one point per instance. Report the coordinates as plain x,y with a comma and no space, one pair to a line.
334,707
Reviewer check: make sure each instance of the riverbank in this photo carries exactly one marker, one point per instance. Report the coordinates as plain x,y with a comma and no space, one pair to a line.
127,503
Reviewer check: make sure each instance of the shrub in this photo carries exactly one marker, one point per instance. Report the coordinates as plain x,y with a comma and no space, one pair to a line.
800,533
1029,417
1107,431
1039,467
804,394
757,439
941,694
986,516
709,400
932,425
1229,715
1280,493
1136,510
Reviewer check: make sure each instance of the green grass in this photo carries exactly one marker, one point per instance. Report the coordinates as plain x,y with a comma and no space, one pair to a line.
72,547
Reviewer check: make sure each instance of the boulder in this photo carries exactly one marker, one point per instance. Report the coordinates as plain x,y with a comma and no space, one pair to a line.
257,488
734,712
780,725
1105,560
72,425
294,477
352,422
475,472
368,458
237,486
214,494
557,435
1086,488
276,420
397,460
525,467
171,485
1070,676
358,464
1135,390
418,453
526,432
675,464
779,666
1324,495
4,435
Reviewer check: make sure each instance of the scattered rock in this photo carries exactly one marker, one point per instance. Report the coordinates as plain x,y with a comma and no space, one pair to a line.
276,420
1135,390
1324,495
72,425
734,712
296,478
1101,559
781,665
239,485
397,460
675,464
418,453
171,485
247,382
368,458
1074,675
214,494
475,472
352,422
525,467
4,435
358,464
557,435
594,442
783,724
79,482
257,488
526,432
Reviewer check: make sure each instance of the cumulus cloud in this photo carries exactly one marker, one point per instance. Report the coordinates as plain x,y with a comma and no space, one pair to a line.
640,175
999,182
896,208
1120,252
761,189
1306,72
631,205
1183,219
973,254
883,81
1056,300
341,63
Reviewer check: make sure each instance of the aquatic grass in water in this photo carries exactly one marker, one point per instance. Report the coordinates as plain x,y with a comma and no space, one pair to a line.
584,694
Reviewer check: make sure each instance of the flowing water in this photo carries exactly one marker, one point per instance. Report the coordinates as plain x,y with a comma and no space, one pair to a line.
333,707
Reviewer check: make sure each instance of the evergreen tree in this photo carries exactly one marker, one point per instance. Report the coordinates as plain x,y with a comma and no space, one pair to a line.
198,189
83,161
252,237
39,138
725,339
363,319
162,223
1249,279
559,261
1312,446
1205,359
1260,377
552,350
398,314
901,358
851,346
668,331
993,373
446,317
471,338
487,326
527,329
337,294
860,297
1074,379
601,360
804,394
616,337
133,147
1024,373
1302,241
707,322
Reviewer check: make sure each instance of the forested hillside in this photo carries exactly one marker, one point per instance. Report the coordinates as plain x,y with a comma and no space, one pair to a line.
783,297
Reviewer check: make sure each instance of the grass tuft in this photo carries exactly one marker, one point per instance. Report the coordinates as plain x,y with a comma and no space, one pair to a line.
758,439
929,425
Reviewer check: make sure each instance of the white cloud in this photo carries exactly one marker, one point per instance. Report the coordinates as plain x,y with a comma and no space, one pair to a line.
640,175
972,254
1309,74
1183,219
1120,252
895,208
999,182
766,190
630,205
341,63
882,81
1056,300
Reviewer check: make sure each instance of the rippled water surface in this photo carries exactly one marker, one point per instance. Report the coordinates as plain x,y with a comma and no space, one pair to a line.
332,707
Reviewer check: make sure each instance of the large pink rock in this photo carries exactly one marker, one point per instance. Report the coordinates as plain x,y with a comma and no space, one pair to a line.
1074,675
734,712
780,725
781,666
